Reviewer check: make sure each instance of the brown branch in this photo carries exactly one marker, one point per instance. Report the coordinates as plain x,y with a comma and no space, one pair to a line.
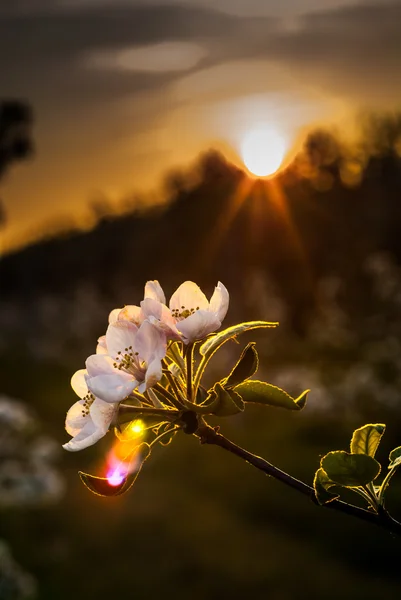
208,435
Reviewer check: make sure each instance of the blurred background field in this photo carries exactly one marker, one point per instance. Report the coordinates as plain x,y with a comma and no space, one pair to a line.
323,259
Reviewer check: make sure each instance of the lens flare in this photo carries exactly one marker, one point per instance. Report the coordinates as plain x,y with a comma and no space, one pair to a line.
115,477
122,458
137,426
263,151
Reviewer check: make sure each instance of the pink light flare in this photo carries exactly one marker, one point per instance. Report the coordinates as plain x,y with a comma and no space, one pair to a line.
123,458
115,477
118,470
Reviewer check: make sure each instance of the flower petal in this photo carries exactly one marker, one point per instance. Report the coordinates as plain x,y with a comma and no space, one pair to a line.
154,290
112,388
113,316
198,325
188,295
169,329
75,419
102,414
152,308
101,347
160,315
153,372
131,313
120,335
78,383
150,342
219,301
99,364
142,387
88,436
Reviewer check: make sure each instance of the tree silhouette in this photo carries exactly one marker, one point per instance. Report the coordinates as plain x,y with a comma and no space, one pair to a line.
16,144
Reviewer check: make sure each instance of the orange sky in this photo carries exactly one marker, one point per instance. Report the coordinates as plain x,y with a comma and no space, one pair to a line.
122,94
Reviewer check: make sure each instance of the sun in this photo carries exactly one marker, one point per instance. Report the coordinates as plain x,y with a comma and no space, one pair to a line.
263,151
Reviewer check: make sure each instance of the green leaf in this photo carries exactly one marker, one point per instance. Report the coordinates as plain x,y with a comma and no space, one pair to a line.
350,470
101,486
246,366
395,457
322,483
366,439
224,403
260,392
212,344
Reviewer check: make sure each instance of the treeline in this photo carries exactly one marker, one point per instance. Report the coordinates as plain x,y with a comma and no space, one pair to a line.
331,208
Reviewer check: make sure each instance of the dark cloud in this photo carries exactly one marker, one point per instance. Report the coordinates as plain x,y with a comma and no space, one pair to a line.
18,7
42,53
353,51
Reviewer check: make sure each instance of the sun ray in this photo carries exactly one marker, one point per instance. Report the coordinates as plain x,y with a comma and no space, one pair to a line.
225,220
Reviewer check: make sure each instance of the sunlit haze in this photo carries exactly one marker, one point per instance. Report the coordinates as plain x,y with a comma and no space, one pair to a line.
124,91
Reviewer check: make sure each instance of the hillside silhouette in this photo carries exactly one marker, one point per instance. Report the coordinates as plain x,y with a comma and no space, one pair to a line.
306,223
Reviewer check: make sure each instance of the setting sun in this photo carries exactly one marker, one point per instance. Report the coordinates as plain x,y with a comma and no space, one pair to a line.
263,151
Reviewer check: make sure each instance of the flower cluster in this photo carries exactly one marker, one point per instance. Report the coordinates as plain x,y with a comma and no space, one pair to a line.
146,380
131,357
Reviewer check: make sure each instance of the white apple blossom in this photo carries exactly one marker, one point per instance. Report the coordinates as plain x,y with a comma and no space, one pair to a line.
190,315
132,313
89,419
133,360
